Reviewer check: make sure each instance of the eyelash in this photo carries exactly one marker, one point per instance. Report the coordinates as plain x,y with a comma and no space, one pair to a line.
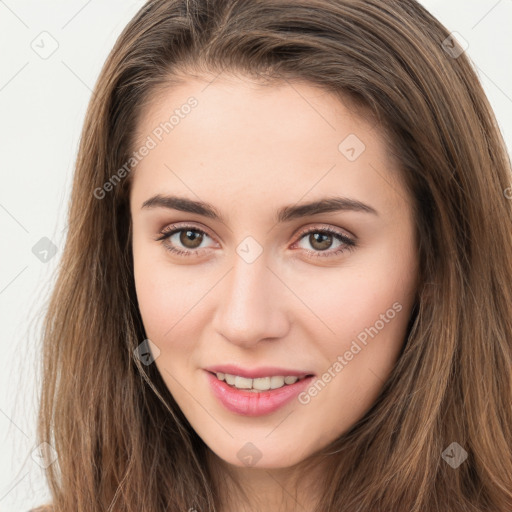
349,244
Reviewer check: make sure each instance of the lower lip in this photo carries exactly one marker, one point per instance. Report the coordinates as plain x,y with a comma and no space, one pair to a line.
248,403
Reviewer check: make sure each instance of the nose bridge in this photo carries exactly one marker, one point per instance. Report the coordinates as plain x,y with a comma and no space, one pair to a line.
250,307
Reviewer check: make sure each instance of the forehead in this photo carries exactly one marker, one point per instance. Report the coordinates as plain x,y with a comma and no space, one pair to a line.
253,141
225,100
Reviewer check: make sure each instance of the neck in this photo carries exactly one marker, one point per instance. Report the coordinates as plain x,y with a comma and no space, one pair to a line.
255,489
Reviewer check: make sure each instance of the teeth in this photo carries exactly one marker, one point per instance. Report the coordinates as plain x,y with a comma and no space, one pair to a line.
243,383
258,384
276,382
261,383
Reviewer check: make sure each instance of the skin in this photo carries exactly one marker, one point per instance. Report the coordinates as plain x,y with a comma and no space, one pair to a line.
248,150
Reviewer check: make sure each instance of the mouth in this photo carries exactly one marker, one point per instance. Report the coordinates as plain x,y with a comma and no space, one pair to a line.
243,399
258,384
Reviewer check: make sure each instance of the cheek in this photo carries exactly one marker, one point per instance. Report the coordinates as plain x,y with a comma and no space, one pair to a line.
370,332
169,318
165,303
367,329
163,295
375,290
367,307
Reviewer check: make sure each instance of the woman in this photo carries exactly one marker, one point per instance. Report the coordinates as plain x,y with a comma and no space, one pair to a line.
287,282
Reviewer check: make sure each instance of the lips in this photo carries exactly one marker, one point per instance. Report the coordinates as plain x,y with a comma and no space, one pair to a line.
248,402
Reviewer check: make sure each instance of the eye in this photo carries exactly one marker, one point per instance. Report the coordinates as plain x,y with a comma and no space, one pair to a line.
188,237
186,240
323,239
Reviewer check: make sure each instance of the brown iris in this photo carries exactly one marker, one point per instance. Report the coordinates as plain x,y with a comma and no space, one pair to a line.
191,239
320,241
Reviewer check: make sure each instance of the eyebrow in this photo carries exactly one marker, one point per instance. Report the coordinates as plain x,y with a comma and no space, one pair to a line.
284,214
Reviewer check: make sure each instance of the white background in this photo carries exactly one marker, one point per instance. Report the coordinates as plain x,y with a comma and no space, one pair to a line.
42,106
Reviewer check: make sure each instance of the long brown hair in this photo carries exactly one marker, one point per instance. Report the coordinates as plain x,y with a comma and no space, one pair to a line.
122,442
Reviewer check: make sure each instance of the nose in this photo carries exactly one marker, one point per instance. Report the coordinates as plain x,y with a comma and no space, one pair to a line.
251,305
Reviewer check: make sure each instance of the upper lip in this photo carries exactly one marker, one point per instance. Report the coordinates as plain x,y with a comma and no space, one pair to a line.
254,373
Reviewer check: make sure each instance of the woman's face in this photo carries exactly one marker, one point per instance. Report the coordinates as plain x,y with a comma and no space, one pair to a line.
296,257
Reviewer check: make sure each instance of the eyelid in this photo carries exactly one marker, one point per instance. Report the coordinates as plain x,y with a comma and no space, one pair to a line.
182,226
319,227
